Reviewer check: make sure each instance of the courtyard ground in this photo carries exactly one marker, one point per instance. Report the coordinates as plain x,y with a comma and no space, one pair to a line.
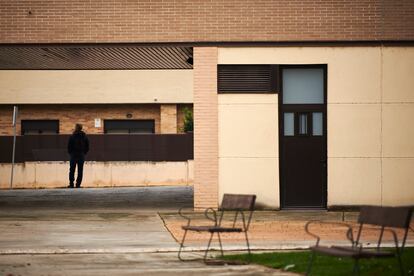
130,231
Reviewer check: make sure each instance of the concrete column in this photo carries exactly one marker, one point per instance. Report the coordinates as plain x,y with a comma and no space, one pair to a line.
168,118
205,128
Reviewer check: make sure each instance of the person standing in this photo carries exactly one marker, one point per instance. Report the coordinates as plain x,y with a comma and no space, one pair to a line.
78,147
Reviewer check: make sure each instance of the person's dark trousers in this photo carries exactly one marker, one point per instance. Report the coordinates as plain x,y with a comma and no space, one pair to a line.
76,161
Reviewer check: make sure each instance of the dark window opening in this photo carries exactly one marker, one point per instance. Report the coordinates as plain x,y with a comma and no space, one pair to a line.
129,126
36,127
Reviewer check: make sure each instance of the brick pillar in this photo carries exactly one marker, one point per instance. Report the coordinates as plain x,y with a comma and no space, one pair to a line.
205,128
168,118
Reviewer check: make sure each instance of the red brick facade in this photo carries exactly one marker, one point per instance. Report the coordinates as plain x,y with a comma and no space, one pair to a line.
68,115
205,128
77,21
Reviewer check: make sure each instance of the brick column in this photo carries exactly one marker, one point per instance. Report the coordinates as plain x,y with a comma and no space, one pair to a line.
205,128
168,118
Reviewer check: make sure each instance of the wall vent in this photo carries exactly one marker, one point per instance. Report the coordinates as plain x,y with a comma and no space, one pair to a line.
246,79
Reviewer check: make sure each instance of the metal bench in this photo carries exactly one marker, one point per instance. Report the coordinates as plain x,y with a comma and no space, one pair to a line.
239,204
383,218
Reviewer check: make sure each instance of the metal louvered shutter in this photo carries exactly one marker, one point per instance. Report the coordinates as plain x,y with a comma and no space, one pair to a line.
246,79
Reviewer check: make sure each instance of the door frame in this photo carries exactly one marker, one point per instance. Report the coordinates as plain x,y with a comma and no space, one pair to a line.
281,133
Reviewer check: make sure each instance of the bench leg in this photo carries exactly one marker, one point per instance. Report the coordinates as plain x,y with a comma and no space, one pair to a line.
208,246
311,259
248,247
356,267
400,263
247,242
182,246
221,246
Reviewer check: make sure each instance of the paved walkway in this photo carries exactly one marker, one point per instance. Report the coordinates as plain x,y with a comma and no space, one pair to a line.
130,231
88,220
120,264
97,232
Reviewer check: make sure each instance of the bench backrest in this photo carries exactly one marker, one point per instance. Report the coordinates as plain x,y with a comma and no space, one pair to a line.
385,216
233,202
238,203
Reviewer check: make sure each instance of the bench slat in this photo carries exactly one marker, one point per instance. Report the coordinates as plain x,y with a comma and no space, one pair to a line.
212,229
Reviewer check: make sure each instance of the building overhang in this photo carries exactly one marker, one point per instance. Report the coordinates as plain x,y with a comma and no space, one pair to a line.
95,57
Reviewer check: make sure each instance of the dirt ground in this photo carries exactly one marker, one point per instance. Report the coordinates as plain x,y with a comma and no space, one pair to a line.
283,227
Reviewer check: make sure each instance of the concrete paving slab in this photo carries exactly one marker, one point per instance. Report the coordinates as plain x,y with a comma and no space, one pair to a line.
120,264
88,220
95,231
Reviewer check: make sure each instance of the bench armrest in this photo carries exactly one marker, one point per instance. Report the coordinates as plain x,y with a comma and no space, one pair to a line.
180,212
394,235
349,232
209,214
212,217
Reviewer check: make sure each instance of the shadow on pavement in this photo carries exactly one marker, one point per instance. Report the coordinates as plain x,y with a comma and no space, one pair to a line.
155,198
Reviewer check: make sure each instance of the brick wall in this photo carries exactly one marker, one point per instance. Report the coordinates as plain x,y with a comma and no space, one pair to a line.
168,117
68,115
205,128
26,21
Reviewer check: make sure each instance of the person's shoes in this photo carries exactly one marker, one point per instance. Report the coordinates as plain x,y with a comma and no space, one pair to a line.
70,186
78,186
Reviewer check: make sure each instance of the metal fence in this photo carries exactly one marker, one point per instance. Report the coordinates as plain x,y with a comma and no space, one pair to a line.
111,147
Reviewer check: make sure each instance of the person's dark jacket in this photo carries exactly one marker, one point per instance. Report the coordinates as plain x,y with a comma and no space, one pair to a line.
78,144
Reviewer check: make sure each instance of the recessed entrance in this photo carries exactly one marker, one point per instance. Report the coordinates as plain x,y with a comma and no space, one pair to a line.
303,153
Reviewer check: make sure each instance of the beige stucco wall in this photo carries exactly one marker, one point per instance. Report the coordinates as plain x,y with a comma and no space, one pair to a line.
95,86
248,147
370,111
98,174
397,126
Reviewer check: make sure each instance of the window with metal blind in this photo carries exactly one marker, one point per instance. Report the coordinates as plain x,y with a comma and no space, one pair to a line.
129,126
247,78
35,127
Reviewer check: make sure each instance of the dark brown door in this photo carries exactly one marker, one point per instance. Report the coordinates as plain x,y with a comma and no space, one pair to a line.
303,153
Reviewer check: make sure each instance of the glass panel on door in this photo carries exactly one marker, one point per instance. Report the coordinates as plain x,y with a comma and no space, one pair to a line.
317,124
289,124
303,86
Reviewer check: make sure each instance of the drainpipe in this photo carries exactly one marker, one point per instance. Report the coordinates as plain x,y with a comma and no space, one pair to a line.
15,110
